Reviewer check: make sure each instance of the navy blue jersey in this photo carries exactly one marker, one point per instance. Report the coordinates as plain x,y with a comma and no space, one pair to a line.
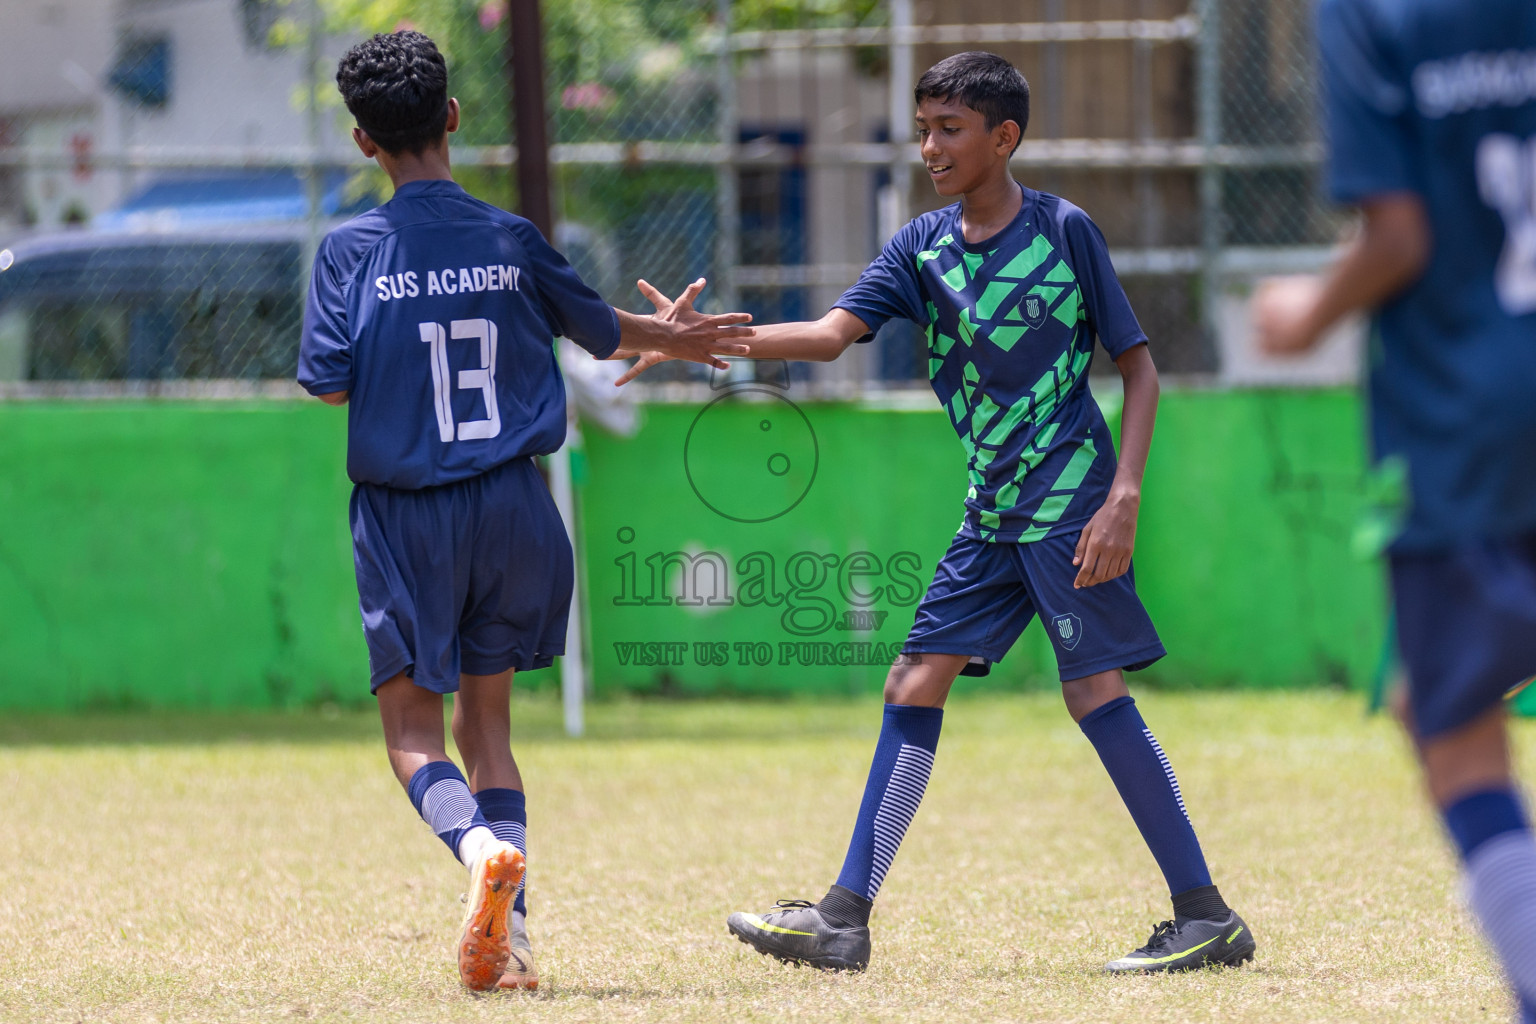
438,312
1438,98
1011,322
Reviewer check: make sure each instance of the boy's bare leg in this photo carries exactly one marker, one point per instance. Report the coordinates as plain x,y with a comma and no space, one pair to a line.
1090,693
923,680
482,729
1468,773
413,736
1471,759
413,726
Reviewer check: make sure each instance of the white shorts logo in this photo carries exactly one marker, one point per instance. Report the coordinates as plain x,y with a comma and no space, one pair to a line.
1069,630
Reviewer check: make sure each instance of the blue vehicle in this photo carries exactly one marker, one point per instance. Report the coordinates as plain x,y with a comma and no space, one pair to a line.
191,279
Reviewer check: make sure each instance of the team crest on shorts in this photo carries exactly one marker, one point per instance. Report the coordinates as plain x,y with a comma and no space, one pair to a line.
1033,309
1069,630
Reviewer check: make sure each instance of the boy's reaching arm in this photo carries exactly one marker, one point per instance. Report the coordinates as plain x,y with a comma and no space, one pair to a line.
1290,314
678,331
1105,545
816,341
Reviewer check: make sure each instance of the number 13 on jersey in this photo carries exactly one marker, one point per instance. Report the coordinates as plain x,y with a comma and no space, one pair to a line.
1506,177
482,377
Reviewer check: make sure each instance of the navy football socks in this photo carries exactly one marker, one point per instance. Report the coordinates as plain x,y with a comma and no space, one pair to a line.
898,776
1478,817
1499,855
506,810
1142,774
443,800
1203,903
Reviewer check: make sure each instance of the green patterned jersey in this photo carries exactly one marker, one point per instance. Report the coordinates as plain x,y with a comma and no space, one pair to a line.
1011,322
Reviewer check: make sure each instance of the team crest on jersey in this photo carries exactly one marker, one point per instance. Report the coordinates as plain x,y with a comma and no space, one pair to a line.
1034,309
1069,630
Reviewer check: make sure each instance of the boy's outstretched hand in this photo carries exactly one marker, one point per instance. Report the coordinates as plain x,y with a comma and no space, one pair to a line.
645,362
1105,545
1282,310
678,331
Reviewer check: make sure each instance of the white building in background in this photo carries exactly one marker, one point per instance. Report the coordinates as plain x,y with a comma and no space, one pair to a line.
54,55
84,83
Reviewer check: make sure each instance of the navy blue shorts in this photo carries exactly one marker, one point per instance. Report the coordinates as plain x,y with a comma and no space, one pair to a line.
472,577
1466,627
983,595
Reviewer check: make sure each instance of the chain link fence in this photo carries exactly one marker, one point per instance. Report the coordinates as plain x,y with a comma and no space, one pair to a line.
167,166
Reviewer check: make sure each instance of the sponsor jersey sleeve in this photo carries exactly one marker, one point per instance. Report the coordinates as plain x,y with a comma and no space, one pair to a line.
325,348
889,288
1367,105
1109,311
572,308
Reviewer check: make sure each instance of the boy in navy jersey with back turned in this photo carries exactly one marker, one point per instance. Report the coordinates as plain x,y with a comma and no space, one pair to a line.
1431,108
434,318
1012,285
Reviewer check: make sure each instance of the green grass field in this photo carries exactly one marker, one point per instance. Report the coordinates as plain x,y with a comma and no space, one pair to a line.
232,868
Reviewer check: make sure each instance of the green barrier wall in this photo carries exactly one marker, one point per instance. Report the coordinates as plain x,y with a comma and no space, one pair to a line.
1243,553
170,554
197,554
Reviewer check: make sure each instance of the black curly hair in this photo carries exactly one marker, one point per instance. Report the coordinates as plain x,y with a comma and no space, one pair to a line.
983,81
396,86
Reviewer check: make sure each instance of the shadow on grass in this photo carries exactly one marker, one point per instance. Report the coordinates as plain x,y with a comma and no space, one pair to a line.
184,728
536,718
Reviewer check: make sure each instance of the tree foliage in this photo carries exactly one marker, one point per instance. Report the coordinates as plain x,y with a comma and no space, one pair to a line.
617,70
618,45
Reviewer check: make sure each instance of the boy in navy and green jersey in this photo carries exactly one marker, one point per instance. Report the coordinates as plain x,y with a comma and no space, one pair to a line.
1013,285
1011,321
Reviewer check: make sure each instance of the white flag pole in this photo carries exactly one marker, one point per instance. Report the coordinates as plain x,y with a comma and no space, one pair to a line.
573,676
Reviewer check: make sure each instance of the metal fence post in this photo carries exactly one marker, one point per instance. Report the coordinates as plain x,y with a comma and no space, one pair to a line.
1052,68
1208,120
1148,200
897,209
727,198
312,182
531,129
573,670
530,136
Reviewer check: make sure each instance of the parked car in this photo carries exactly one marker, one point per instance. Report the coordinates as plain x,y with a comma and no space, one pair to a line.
194,276
127,306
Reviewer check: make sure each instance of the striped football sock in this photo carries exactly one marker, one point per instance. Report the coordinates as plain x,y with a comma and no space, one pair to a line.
507,812
443,800
1499,855
1141,772
909,736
